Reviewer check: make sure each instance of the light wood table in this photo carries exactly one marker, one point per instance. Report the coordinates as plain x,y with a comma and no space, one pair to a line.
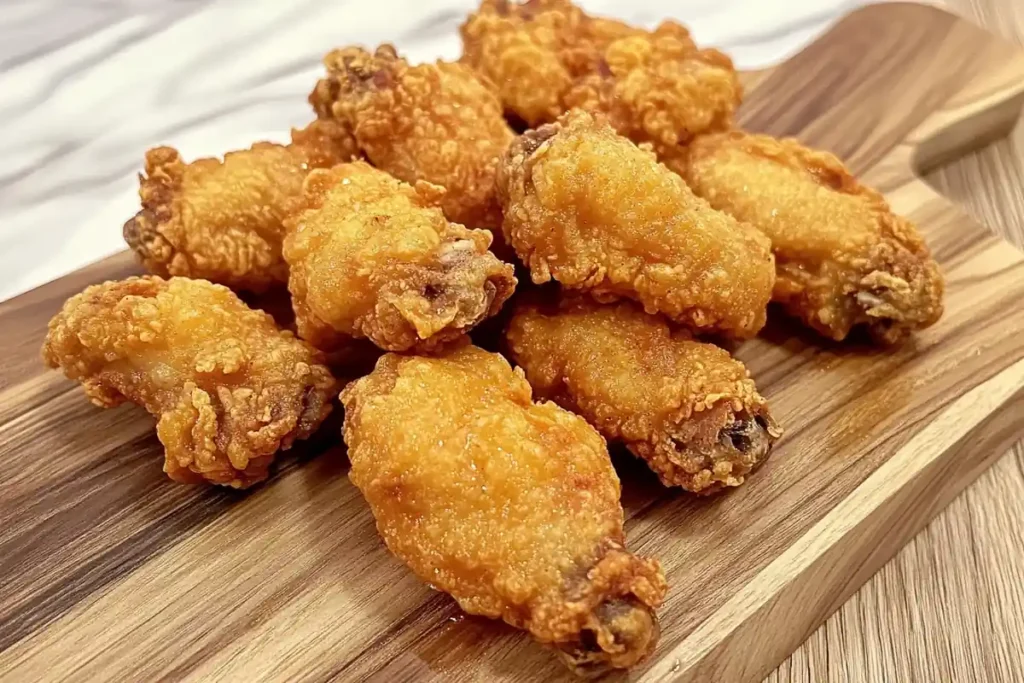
950,605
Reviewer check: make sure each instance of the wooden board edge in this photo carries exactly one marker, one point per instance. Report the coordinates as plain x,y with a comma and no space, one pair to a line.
951,134
986,111
784,603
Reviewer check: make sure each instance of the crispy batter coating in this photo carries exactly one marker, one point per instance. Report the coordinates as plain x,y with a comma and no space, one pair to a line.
435,122
510,506
227,387
223,220
659,88
522,49
547,56
595,212
347,361
372,257
843,258
686,407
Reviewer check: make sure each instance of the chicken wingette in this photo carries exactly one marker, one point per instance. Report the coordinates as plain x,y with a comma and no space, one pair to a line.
510,506
843,258
223,221
227,387
687,408
588,208
372,257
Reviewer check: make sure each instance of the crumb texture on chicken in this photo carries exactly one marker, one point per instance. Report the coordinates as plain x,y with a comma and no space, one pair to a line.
548,56
372,257
588,208
659,88
440,123
227,387
223,220
510,506
686,407
520,47
843,257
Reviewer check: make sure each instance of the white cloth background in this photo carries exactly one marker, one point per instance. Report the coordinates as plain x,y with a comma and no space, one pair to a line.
86,86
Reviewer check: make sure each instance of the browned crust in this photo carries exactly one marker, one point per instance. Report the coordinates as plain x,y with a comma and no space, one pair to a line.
891,288
224,404
713,450
157,189
618,594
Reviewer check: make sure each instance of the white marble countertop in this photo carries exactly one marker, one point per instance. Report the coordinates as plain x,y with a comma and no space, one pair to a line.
87,86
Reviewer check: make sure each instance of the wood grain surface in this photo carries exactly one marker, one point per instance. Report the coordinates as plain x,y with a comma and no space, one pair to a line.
111,572
950,605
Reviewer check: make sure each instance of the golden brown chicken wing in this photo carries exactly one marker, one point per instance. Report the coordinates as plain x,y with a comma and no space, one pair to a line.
227,387
510,506
593,211
547,56
659,88
373,257
524,49
687,408
843,258
222,220
435,122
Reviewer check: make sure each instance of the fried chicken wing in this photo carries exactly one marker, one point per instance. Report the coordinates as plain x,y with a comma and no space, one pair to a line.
659,88
523,49
687,408
227,387
510,506
593,211
223,220
440,123
843,258
374,257
547,56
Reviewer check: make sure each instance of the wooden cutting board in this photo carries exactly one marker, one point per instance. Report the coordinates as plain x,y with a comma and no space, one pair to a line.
108,571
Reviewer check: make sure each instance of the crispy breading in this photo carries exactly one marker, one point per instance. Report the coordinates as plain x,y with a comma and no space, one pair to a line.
227,387
548,56
843,257
590,209
222,220
658,88
686,407
510,506
520,47
440,123
374,257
